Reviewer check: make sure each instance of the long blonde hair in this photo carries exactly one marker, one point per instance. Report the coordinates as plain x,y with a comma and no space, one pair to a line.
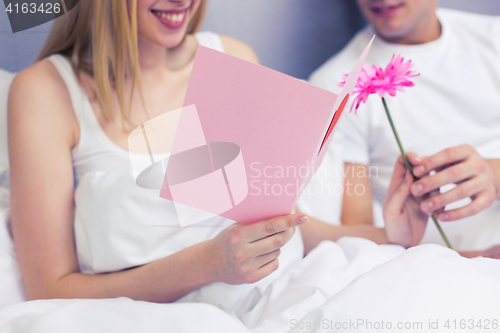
105,30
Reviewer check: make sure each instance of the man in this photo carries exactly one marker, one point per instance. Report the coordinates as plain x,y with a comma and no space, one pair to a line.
452,116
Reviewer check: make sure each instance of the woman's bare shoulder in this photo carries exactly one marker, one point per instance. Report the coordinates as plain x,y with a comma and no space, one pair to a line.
41,77
239,49
39,92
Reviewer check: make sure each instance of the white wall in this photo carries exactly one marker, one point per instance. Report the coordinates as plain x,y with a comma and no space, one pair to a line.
297,36
489,7
292,36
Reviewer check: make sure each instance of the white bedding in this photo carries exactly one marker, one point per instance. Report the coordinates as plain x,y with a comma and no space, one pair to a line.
351,282
340,284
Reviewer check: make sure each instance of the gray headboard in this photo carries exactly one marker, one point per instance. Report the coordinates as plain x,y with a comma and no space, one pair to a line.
292,36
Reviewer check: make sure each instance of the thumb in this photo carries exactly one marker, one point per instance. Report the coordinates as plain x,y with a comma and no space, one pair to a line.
397,177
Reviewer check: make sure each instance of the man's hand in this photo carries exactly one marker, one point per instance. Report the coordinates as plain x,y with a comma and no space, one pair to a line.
460,165
404,221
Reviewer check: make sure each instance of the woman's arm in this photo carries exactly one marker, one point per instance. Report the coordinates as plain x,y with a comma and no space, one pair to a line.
42,131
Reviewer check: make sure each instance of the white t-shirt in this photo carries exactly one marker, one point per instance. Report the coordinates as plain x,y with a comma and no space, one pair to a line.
456,100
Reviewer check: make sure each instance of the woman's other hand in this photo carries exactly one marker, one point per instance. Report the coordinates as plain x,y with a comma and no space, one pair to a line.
404,221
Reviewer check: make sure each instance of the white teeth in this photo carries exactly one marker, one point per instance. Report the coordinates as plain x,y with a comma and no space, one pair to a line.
171,17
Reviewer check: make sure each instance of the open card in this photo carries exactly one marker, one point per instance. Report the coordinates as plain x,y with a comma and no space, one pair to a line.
246,142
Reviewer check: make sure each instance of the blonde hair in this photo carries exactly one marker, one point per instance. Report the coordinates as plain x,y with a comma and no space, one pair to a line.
107,31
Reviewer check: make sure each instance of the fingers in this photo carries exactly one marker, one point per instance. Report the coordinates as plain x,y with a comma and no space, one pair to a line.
275,225
398,176
414,158
480,202
451,175
266,258
493,252
472,254
395,203
463,190
267,269
254,273
447,156
272,243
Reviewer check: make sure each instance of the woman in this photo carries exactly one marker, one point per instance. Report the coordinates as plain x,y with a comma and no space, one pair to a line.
81,226
69,119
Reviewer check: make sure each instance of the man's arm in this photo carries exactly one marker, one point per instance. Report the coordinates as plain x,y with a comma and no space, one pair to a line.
357,197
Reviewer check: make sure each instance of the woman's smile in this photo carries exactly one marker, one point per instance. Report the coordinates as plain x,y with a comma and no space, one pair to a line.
172,19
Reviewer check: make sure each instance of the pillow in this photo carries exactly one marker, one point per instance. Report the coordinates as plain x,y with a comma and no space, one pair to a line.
5,81
11,285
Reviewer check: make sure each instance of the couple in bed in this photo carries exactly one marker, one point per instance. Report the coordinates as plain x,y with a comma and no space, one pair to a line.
79,221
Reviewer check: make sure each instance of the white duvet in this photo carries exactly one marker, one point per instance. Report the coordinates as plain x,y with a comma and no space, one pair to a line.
353,285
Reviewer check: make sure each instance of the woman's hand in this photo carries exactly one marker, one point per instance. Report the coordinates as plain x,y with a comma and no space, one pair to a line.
248,253
404,221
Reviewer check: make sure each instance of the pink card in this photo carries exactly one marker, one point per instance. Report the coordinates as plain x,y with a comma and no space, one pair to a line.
249,138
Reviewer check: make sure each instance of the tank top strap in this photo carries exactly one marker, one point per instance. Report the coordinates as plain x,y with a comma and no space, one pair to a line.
63,65
210,40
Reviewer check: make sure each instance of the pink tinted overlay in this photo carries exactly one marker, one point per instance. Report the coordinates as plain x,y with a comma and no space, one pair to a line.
170,153
197,172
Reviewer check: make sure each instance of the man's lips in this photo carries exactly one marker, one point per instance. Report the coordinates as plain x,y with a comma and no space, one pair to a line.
172,19
386,11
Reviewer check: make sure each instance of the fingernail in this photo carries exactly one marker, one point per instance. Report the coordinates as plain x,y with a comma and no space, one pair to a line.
427,206
303,219
418,159
418,189
443,217
419,170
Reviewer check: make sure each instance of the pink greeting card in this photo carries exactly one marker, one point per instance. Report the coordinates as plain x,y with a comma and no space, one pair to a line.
248,138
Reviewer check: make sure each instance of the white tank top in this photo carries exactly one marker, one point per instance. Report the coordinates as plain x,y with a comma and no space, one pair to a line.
119,225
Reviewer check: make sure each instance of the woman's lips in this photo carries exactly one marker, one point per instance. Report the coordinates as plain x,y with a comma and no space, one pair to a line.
386,11
172,19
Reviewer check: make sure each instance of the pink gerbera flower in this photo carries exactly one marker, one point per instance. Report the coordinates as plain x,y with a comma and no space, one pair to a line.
378,80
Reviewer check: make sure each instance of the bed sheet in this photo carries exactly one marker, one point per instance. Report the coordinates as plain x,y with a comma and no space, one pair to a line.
343,287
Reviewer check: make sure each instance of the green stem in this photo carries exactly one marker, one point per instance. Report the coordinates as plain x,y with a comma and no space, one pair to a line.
410,169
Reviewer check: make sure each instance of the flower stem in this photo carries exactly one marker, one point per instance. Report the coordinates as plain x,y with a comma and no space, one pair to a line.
410,169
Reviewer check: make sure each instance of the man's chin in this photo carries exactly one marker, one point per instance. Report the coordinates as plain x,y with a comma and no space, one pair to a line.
391,34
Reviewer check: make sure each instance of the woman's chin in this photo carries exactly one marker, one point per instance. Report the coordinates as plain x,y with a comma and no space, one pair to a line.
171,42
